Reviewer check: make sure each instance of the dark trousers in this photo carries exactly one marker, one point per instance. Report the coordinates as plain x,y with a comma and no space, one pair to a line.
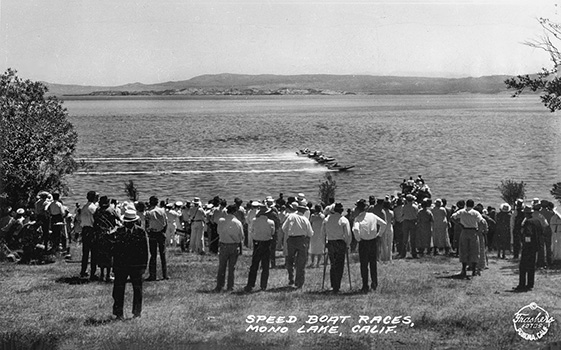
544,248
87,248
527,268
336,250
213,246
45,222
398,237
409,236
273,251
121,275
157,241
227,257
367,253
261,255
297,254
516,236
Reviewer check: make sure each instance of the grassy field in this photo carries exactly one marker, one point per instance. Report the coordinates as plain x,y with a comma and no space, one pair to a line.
44,307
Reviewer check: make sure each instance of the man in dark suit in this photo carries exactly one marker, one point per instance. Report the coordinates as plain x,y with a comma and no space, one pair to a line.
130,258
531,231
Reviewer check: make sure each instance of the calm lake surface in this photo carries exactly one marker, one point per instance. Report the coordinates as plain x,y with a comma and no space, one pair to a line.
463,145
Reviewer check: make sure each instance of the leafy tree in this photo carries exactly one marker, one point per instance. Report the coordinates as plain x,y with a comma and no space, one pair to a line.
37,141
512,190
327,189
547,82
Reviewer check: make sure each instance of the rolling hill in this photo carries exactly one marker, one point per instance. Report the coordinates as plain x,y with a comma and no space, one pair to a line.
239,84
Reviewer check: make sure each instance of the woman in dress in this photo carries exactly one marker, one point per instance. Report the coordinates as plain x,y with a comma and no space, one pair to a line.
502,230
425,222
440,237
317,242
386,241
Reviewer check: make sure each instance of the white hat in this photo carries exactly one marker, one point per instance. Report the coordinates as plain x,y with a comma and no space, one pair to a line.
301,195
197,201
20,211
256,204
130,215
505,207
179,204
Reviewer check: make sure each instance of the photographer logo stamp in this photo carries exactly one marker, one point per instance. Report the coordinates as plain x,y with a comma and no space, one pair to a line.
532,322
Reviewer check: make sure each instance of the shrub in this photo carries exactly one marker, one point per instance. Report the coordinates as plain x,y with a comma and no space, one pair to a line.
327,189
512,190
556,191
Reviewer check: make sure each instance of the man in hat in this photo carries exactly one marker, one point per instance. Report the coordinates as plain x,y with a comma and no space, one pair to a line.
531,231
366,229
298,230
546,209
230,231
42,213
156,225
537,214
88,235
470,220
262,232
517,218
410,213
336,229
198,218
106,221
57,213
274,215
130,256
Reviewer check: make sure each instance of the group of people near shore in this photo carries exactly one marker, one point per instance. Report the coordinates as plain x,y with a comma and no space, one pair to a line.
127,237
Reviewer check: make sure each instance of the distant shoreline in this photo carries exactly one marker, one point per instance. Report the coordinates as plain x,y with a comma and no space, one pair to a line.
96,97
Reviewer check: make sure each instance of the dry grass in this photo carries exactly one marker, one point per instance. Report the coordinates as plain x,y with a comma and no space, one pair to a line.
40,308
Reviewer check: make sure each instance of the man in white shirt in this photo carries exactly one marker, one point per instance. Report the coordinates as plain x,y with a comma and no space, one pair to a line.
337,229
261,232
366,229
298,231
87,222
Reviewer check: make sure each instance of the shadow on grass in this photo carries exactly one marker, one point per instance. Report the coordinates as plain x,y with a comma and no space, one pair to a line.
327,292
94,322
73,280
283,289
456,276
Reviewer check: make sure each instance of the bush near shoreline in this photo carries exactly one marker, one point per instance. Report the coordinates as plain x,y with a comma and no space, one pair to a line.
44,308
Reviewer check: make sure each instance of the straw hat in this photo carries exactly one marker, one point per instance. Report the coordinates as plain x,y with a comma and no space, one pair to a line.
505,207
130,215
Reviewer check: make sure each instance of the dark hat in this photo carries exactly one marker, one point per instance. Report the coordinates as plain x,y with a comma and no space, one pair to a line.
237,200
153,200
361,204
528,209
338,207
103,201
91,195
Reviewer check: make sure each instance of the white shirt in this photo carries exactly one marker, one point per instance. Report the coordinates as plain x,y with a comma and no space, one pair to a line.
365,226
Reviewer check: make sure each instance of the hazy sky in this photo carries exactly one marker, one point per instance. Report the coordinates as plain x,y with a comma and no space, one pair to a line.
113,42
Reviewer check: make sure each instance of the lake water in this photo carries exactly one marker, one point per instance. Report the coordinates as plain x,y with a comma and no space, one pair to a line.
463,145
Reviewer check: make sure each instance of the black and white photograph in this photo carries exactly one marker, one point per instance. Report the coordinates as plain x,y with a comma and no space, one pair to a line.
280,174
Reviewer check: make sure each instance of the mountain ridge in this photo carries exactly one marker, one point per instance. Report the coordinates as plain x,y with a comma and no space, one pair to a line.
241,84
